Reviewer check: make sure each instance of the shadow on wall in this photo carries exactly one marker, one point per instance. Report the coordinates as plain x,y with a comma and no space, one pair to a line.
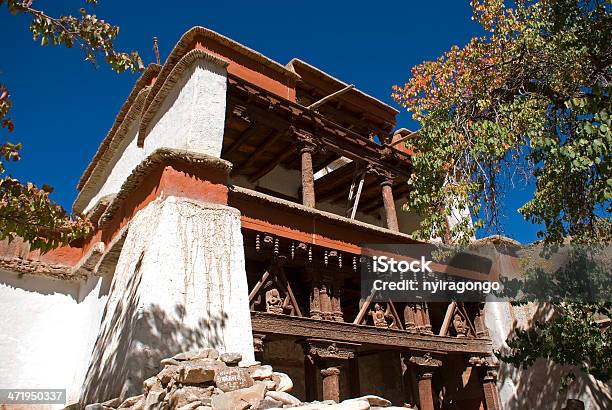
132,342
539,386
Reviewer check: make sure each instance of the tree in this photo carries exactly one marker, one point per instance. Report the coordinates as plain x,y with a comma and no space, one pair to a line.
26,210
530,97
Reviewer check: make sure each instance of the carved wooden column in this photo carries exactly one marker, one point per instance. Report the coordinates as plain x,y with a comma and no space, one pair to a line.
425,366
331,383
326,304
487,367
329,357
426,322
489,386
315,294
307,148
479,322
409,318
389,203
336,302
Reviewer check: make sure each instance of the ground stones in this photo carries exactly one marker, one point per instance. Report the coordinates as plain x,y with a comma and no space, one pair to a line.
204,380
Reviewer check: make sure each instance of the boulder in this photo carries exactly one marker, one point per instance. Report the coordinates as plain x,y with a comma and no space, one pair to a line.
130,401
181,357
207,353
193,373
270,384
112,402
154,397
239,399
189,394
191,406
266,404
168,373
283,382
261,372
169,361
233,378
351,405
231,359
284,397
373,400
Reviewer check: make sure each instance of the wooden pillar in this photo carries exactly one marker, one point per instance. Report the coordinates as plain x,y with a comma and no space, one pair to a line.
336,301
489,387
307,148
487,368
409,319
418,317
326,306
425,391
315,289
425,366
389,204
329,357
331,383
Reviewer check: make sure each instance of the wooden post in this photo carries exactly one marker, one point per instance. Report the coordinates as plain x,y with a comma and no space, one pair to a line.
425,366
307,148
315,302
329,356
326,306
409,319
489,387
336,303
331,384
425,391
487,368
389,204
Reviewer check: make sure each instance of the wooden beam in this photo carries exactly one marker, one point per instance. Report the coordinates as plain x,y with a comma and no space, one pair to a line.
270,140
270,323
240,140
273,164
448,317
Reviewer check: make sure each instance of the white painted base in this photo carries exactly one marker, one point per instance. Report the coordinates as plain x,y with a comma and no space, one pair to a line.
180,283
47,331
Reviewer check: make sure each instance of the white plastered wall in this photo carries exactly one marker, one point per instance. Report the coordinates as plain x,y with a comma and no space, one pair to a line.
180,283
48,328
191,117
125,159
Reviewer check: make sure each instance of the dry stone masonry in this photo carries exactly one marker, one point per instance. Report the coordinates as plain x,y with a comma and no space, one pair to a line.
205,380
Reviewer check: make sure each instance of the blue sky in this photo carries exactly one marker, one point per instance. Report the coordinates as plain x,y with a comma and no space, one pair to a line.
63,107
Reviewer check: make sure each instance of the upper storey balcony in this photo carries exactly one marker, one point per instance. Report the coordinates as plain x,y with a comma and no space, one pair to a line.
331,149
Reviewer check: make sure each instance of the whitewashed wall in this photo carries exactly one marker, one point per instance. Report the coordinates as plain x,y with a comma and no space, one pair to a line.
180,283
125,159
47,331
191,117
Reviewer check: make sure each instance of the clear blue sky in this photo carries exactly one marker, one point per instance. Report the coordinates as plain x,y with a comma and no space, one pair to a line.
63,107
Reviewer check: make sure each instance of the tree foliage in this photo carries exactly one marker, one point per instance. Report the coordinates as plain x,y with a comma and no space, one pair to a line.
26,210
530,97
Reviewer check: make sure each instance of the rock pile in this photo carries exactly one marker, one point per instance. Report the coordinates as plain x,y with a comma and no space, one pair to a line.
205,380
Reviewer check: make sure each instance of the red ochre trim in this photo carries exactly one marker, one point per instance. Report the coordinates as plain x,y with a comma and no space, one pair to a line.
181,180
